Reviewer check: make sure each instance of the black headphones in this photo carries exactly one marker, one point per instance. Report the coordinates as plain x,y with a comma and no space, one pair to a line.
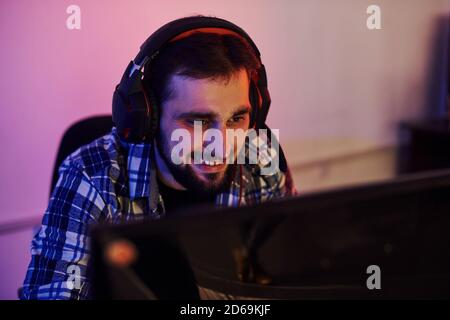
134,109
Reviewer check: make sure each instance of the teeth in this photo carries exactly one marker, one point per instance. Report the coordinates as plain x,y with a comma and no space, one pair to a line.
212,162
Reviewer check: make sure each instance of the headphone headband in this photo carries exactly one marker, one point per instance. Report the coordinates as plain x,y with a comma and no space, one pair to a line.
174,29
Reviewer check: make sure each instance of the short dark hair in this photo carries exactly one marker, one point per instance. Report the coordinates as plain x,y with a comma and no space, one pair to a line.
200,55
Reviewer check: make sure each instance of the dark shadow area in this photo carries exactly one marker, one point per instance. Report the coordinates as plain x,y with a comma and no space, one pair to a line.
320,248
424,144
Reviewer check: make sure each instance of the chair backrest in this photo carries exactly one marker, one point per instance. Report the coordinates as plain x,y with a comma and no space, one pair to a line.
78,134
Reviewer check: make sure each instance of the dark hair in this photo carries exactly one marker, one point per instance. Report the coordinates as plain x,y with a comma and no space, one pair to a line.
200,55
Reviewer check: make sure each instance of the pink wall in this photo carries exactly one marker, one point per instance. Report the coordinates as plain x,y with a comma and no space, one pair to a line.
328,75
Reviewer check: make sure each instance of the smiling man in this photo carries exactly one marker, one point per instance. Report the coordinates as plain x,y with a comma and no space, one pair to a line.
202,78
220,104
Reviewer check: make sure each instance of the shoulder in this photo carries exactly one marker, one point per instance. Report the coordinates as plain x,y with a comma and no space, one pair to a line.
264,184
101,164
97,156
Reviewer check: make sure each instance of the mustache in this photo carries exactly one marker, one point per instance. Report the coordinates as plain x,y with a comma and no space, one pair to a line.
198,157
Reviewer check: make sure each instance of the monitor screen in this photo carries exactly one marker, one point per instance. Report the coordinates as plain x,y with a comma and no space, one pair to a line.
317,245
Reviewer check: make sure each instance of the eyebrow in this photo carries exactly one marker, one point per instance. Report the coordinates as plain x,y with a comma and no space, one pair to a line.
211,115
241,110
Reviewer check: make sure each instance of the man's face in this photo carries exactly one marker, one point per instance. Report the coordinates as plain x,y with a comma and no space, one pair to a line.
218,104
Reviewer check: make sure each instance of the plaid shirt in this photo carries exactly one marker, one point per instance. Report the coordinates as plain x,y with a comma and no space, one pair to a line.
109,180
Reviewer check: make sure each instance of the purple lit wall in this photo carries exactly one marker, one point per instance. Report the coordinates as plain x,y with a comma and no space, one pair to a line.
329,77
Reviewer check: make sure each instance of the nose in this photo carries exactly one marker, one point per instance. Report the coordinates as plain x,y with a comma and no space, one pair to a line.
216,139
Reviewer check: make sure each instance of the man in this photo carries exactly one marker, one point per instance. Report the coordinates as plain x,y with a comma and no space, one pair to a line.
199,79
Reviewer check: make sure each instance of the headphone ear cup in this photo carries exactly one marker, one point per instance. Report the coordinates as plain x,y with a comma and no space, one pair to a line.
263,97
135,115
254,102
152,122
124,115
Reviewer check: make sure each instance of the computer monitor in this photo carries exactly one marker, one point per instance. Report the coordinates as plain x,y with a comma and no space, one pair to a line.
319,245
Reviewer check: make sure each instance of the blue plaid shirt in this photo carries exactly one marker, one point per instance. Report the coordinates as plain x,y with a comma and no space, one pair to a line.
109,180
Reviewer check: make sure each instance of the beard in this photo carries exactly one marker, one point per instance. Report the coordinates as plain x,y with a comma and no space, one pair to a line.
209,184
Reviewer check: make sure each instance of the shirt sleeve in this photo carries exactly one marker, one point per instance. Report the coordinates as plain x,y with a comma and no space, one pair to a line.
60,249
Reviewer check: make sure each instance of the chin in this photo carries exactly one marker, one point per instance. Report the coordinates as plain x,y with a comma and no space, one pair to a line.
211,179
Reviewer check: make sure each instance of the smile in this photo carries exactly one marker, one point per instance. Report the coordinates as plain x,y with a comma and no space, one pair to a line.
210,166
212,162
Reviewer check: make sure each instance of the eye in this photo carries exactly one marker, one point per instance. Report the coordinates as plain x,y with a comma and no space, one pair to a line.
236,119
191,122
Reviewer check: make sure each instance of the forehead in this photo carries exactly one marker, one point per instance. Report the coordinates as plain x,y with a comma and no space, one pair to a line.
220,96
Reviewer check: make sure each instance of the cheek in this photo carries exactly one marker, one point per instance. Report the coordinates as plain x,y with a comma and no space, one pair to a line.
165,135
